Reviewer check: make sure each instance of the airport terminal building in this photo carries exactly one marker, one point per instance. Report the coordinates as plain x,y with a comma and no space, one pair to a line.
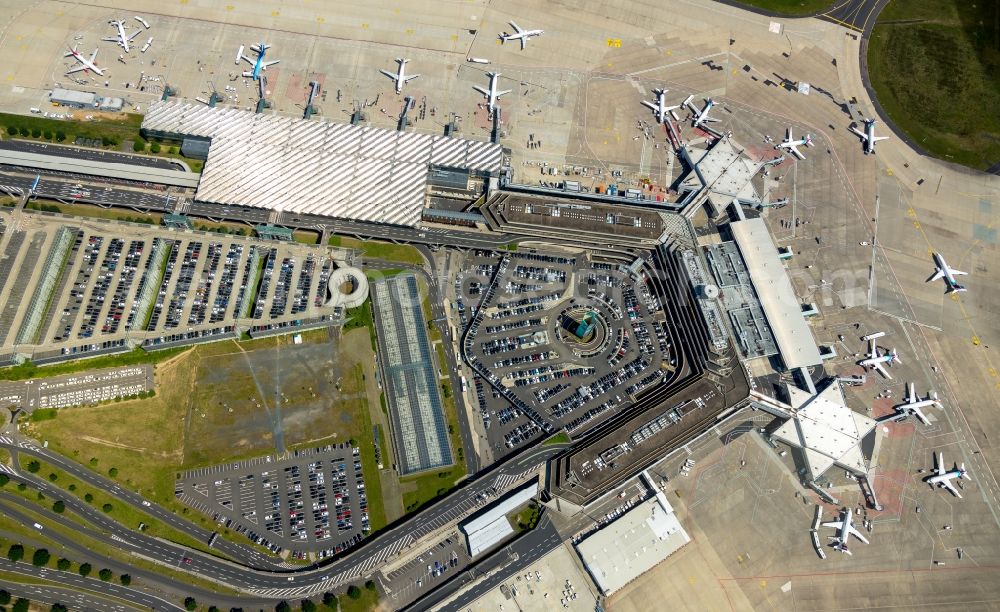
316,167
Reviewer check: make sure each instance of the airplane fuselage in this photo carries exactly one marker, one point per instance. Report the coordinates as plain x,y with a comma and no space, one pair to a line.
949,475
86,63
700,119
121,34
870,132
949,277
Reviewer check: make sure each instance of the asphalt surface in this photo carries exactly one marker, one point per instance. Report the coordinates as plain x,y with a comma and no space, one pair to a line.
503,564
73,599
259,576
100,155
67,191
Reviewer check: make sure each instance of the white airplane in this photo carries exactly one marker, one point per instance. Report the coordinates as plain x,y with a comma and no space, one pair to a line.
492,93
122,38
868,136
875,360
844,532
400,75
913,404
700,116
943,478
85,64
258,64
519,34
948,274
793,145
660,108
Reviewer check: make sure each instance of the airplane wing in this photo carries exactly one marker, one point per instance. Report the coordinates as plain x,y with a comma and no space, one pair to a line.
878,138
114,39
834,524
247,60
391,75
859,133
920,415
938,273
857,534
947,485
516,28
264,65
410,78
524,40
881,370
872,350
503,91
958,272
795,151
708,119
77,69
134,34
482,90
650,105
93,56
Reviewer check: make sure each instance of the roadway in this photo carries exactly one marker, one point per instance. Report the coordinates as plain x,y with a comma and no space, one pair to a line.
494,570
100,155
251,571
71,598
66,190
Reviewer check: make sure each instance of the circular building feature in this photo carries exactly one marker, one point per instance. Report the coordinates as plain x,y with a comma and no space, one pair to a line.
347,288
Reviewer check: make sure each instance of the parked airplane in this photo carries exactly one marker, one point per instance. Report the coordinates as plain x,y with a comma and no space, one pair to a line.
844,532
85,64
259,64
948,274
793,145
660,108
875,360
943,478
700,116
913,404
868,136
122,39
519,34
400,75
491,94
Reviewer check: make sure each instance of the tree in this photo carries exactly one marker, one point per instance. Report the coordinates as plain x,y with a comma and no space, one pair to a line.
4,479
40,558
47,134
53,477
138,146
89,497
11,130
24,131
15,553
354,592
113,472
107,507
370,585
34,466
155,147
190,604
125,579
60,136
84,569
4,597
36,133
58,607
330,600
308,605
21,605
173,150
105,574
59,506
282,607
63,564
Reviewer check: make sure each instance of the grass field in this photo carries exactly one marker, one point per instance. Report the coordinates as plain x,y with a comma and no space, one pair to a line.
403,253
96,212
29,370
935,67
196,420
791,7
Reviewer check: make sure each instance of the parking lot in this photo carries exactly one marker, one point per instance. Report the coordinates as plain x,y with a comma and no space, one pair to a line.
75,286
77,389
313,503
527,342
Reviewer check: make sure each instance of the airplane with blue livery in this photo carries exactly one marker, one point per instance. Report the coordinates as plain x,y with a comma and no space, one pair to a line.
258,64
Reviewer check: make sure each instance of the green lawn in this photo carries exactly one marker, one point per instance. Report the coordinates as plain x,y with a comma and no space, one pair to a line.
420,489
935,67
366,603
29,370
791,7
560,438
402,253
